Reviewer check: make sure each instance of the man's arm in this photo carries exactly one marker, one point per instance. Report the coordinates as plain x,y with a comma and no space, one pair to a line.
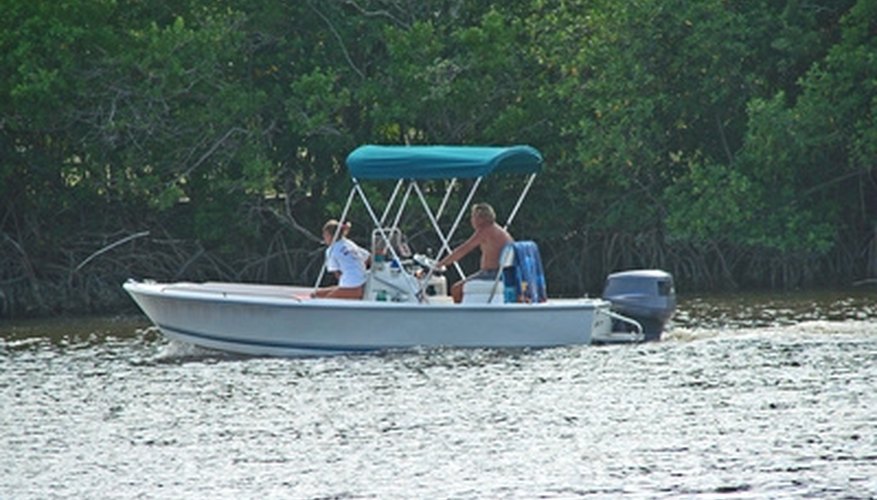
463,250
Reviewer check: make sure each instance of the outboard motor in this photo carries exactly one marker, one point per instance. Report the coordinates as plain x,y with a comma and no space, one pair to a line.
646,295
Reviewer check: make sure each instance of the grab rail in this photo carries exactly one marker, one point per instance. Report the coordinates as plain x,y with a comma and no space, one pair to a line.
630,321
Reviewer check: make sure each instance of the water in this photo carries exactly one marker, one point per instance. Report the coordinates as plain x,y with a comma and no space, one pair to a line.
747,397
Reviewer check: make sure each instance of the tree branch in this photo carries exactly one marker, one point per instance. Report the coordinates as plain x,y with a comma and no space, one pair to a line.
108,248
340,40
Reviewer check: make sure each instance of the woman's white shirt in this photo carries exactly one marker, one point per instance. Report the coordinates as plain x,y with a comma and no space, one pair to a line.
348,258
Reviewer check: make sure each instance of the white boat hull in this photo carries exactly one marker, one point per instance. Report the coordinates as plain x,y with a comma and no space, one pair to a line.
284,321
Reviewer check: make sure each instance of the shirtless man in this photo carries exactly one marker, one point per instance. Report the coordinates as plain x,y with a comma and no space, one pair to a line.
489,237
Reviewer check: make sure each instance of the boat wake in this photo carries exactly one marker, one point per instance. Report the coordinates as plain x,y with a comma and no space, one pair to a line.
815,328
168,351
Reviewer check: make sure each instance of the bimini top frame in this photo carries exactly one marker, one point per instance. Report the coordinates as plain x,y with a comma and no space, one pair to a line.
410,164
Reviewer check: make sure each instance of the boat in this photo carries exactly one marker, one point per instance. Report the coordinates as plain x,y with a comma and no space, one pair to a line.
406,304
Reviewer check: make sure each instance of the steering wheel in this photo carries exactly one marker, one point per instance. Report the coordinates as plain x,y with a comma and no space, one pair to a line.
427,262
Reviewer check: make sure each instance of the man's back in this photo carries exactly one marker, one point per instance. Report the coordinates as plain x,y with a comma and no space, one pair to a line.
492,239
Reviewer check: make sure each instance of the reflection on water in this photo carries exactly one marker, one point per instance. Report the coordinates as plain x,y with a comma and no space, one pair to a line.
773,309
750,396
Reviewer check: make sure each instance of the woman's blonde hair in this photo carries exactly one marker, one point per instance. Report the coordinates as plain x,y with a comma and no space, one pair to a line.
331,227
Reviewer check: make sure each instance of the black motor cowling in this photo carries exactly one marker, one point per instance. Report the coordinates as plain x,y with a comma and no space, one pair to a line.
646,295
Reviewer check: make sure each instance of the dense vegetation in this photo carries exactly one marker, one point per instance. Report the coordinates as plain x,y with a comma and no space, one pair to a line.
730,143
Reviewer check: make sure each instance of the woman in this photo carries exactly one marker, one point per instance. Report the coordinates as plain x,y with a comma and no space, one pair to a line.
347,260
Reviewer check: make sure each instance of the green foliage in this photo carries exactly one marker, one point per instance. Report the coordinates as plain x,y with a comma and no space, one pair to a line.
745,126
710,201
800,158
464,87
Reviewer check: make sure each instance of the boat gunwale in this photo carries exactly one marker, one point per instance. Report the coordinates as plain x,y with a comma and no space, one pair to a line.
216,296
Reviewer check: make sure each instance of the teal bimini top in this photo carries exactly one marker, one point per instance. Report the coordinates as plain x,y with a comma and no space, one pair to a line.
441,162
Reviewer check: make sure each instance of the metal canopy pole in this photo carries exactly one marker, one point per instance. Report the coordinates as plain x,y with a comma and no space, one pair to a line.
444,203
520,201
446,241
392,200
435,227
402,205
374,217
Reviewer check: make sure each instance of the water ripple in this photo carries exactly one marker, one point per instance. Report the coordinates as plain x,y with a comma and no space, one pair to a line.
721,408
